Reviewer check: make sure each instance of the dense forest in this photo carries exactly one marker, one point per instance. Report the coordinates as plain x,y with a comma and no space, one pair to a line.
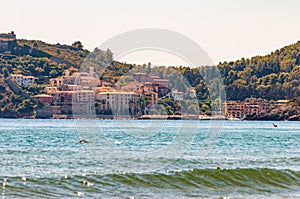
274,76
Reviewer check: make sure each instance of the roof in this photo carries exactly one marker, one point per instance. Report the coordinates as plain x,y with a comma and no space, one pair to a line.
155,77
162,80
42,95
118,92
282,101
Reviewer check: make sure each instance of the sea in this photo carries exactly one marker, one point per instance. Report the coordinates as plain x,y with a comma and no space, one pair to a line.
149,159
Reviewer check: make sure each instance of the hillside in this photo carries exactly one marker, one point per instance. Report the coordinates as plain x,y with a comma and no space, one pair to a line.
71,55
274,76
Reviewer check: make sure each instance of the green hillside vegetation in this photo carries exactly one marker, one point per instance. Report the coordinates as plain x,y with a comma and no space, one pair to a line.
73,55
274,76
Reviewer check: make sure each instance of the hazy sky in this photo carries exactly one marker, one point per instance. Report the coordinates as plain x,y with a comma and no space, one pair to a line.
226,30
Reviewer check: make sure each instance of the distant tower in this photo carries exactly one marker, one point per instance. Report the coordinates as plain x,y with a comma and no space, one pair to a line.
149,68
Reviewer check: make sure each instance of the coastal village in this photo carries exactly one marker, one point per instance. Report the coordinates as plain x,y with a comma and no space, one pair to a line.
83,94
81,90
84,88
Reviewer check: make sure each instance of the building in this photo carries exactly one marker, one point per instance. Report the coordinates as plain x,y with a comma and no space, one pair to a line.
192,93
103,89
84,79
279,103
237,109
151,98
50,90
105,83
88,81
48,111
119,103
43,98
164,83
234,109
8,36
7,41
63,97
176,95
4,46
149,92
84,96
57,82
161,84
71,87
142,77
22,80
69,97
131,87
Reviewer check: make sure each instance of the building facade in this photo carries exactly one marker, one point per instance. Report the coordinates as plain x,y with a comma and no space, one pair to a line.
22,80
7,40
237,109
119,103
44,98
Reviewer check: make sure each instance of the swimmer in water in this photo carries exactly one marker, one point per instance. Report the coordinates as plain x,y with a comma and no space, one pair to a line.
83,141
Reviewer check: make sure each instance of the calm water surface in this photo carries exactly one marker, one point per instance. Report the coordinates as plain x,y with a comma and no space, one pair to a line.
149,159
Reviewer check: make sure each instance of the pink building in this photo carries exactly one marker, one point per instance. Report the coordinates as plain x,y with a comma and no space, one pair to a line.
43,98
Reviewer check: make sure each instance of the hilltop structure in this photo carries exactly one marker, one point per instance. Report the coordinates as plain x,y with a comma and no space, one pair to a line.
7,40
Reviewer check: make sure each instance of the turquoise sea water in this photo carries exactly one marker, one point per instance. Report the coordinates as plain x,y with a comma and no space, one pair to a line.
149,159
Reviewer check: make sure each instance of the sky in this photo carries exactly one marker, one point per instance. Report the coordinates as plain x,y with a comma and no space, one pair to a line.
226,29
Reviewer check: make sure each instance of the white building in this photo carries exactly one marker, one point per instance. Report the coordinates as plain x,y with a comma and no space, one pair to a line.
23,80
177,96
78,78
84,96
119,102
192,93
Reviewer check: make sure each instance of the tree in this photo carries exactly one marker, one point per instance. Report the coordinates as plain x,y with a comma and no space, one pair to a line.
25,107
35,45
53,73
77,44
72,70
149,68
298,59
5,72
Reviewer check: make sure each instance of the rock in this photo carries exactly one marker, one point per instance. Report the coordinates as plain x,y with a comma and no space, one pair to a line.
294,118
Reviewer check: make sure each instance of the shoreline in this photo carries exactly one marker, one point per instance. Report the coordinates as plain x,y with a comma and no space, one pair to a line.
149,118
